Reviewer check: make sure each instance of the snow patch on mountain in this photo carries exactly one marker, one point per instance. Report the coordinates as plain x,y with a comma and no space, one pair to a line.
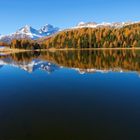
48,29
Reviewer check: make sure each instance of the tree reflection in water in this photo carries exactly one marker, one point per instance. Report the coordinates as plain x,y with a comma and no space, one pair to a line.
101,60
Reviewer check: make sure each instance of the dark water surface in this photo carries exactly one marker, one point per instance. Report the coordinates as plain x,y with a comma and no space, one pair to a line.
70,95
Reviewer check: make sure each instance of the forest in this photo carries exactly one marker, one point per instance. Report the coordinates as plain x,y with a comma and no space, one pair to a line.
24,44
102,37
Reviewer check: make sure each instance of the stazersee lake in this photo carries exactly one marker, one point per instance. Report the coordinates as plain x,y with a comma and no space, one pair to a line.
70,95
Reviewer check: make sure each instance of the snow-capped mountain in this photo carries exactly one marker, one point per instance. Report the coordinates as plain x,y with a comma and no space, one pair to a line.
103,24
27,32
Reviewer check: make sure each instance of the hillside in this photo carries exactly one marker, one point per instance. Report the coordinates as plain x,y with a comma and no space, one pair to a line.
127,36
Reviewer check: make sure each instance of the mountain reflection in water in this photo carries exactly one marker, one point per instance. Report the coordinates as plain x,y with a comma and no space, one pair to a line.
80,60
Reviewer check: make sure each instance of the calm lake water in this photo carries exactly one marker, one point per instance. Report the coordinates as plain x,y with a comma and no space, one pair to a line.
70,95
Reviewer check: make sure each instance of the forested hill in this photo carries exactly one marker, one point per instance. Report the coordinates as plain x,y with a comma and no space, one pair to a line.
101,37
108,37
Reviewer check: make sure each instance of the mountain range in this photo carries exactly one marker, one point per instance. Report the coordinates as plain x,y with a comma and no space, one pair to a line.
28,32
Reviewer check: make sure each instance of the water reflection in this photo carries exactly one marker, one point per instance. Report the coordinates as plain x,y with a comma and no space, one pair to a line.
79,60
65,105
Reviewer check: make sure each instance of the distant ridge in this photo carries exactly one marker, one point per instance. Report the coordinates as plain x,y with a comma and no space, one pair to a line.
103,24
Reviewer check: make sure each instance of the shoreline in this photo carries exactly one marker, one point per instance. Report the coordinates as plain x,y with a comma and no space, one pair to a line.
69,49
8,50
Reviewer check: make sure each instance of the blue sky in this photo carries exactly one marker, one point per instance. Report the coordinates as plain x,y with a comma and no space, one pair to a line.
64,13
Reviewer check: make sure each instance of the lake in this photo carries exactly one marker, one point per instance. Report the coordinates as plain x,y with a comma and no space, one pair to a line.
70,95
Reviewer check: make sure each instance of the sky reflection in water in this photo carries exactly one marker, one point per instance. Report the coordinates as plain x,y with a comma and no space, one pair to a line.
75,95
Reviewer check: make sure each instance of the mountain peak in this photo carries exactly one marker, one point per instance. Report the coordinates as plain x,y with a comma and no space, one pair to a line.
48,29
81,23
27,26
26,29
